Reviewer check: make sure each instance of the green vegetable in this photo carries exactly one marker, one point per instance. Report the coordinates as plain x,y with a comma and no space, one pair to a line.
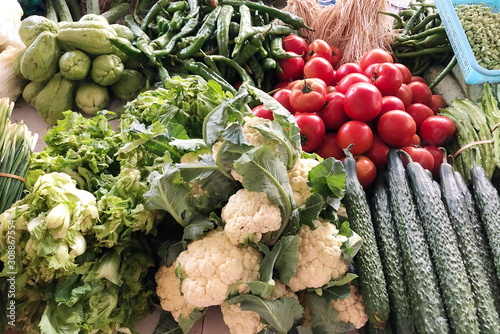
90,35
31,90
91,98
74,65
56,97
106,69
34,25
123,31
131,82
116,13
472,248
391,256
488,204
425,299
40,60
368,263
63,12
450,268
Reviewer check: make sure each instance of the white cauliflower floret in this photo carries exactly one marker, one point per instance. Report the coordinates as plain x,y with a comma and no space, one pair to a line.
252,135
248,322
168,290
211,265
320,256
239,321
298,180
351,309
249,214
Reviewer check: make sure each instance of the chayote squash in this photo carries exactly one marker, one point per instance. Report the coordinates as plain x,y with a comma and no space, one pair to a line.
123,31
90,36
130,84
40,60
91,98
106,69
93,17
31,91
34,25
17,62
74,65
57,96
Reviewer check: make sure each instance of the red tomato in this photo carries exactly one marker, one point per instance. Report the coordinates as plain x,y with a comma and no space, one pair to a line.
291,69
262,112
312,130
366,171
336,56
420,93
368,71
294,43
333,114
375,56
414,141
387,78
329,148
378,152
438,156
309,95
349,80
437,102
405,72
404,93
331,89
319,48
396,128
419,155
419,112
437,130
391,103
318,67
346,69
362,102
417,78
283,97
292,83
357,133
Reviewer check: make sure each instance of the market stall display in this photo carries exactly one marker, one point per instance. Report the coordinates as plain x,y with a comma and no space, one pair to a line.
281,164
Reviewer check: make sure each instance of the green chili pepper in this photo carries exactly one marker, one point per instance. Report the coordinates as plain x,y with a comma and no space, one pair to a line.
206,73
277,50
223,22
256,70
268,64
245,77
190,25
249,49
153,12
125,46
294,20
206,30
177,6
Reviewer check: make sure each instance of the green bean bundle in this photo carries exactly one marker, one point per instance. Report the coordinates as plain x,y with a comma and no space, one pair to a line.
16,145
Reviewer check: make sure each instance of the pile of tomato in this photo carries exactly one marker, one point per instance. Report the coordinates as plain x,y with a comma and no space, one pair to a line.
371,106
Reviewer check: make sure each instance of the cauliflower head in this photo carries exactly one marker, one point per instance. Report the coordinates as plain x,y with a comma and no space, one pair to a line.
211,265
167,289
239,321
249,214
252,135
320,256
298,180
351,309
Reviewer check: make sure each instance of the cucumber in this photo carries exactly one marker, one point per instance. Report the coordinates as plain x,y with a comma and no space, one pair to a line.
367,261
390,253
425,300
453,280
488,203
471,244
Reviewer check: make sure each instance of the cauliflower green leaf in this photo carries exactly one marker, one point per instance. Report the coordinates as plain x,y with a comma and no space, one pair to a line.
324,318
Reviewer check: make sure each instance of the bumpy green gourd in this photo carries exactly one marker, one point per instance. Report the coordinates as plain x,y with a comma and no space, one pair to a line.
106,69
30,92
74,65
130,84
90,36
34,25
57,96
17,63
40,60
91,98
123,31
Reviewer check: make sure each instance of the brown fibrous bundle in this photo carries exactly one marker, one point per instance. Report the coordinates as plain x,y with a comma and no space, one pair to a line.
354,26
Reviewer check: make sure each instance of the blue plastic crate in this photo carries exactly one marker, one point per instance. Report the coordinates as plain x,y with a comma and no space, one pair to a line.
472,71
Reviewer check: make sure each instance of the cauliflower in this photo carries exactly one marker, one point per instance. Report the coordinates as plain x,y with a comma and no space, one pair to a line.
248,322
351,309
249,214
167,289
320,256
212,265
298,180
252,135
